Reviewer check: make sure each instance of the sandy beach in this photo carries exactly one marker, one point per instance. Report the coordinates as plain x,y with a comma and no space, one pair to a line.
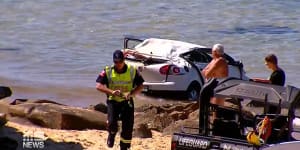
21,130
87,139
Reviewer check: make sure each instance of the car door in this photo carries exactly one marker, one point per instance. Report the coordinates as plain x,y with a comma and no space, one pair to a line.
235,68
198,58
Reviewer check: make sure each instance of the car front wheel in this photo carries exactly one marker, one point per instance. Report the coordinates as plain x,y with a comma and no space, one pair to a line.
193,91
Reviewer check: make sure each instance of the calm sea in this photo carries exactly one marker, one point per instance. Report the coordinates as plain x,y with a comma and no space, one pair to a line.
54,49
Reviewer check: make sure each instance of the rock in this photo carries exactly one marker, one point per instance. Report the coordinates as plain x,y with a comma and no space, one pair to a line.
4,106
22,121
142,131
161,121
59,117
22,101
5,92
160,117
190,127
176,115
101,107
173,117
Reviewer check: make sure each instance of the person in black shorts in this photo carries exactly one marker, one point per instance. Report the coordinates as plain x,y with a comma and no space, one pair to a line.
120,82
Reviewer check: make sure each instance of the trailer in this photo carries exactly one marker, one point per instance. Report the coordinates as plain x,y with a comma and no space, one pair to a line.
231,129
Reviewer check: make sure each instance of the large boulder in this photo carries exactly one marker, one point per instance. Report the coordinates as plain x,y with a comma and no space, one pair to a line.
59,116
173,117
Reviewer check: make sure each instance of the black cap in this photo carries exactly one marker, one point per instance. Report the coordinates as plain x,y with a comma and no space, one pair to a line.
118,55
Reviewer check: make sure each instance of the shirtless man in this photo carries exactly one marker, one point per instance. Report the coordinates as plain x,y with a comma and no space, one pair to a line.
217,68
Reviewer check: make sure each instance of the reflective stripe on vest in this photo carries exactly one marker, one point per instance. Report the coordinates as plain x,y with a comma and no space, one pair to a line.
123,81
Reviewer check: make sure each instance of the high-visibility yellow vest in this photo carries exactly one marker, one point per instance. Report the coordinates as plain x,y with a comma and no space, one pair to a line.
123,81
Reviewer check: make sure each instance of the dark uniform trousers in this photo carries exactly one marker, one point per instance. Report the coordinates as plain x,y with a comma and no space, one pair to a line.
123,111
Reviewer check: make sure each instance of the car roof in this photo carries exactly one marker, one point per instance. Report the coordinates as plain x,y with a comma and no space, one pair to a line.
164,47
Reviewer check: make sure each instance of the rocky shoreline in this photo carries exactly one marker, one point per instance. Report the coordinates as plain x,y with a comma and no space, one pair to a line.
69,127
65,127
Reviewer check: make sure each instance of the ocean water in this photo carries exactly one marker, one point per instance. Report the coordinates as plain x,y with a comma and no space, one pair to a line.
54,49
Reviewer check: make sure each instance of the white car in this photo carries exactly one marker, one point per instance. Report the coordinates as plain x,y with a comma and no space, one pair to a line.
173,66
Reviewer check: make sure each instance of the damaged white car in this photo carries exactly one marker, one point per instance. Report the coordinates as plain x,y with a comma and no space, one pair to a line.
169,66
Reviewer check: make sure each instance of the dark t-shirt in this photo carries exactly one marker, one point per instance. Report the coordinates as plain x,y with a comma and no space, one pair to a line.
138,79
278,77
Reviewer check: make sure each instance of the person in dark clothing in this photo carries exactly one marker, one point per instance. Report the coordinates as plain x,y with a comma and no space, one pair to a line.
278,76
120,82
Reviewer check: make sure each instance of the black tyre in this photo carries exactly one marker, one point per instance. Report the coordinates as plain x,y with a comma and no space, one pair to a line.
193,91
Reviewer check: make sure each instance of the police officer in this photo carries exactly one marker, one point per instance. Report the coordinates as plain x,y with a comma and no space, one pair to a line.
120,82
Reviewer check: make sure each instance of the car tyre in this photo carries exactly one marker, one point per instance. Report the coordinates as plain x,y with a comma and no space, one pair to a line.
193,91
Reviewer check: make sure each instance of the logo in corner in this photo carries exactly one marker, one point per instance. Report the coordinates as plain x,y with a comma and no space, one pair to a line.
34,140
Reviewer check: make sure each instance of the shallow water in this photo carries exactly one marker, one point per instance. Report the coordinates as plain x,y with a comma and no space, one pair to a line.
54,49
